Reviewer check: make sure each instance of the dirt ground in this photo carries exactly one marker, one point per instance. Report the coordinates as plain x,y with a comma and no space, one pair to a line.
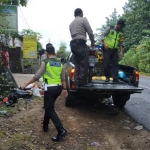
89,128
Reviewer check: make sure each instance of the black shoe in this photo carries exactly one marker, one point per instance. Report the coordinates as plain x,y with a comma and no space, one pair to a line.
45,128
115,80
60,135
107,79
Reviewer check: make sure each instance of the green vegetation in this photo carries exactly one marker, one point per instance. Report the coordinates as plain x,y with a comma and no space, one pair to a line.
29,32
14,2
62,52
5,85
139,56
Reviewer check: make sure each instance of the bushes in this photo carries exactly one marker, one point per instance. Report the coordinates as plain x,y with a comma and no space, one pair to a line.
7,82
139,56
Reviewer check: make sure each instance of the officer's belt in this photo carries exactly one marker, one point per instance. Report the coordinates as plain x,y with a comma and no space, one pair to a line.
81,41
49,85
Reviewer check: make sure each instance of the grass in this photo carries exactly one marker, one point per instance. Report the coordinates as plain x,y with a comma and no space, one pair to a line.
9,110
146,74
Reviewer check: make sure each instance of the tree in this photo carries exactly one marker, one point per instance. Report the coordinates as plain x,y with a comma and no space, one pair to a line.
62,53
109,22
139,55
137,15
14,2
7,36
28,32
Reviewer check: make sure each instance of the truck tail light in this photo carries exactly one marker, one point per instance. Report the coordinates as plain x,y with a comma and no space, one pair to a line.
72,71
136,76
73,86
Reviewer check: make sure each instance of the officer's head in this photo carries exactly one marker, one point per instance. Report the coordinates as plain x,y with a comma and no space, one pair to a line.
48,44
78,12
50,50
121,23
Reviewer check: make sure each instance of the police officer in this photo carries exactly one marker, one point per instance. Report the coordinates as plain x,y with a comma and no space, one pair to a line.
112,39
78,29
44,56
53,73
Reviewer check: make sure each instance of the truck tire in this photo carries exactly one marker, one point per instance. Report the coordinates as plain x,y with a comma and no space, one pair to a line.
70,99
120,100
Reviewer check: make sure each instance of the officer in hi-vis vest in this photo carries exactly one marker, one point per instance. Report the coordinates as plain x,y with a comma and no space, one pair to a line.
112,39
54,77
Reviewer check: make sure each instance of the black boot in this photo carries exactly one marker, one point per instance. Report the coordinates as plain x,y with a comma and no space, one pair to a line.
60,135
107,79
45,127
115,80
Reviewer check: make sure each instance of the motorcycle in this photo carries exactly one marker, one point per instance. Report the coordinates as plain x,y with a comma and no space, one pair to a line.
95,59
17,93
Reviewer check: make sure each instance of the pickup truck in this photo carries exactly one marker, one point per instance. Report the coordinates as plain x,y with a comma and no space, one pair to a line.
97,87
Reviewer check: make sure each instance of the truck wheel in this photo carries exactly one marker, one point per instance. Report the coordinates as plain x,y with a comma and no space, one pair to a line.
70,99
120,100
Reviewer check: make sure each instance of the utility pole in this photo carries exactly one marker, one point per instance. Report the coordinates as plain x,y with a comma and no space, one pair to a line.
48,40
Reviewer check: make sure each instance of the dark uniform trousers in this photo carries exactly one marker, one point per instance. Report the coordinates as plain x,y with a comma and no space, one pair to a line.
50,97
80,51
111,63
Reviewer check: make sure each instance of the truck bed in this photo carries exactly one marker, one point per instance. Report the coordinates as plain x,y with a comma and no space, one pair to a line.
110,87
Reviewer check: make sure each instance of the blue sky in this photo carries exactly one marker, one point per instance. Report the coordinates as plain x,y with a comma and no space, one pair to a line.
51,18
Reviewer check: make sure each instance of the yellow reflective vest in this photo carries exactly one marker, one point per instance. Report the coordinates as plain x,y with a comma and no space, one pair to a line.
113,38
53,71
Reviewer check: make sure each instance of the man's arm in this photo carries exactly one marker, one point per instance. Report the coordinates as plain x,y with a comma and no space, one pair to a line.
120,46
37,76
63,80
103,35
121,51
89,31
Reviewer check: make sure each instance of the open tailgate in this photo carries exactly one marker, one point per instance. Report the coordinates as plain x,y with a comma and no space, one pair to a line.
110,87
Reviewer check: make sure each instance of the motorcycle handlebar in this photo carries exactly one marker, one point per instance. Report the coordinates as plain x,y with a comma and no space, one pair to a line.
96,46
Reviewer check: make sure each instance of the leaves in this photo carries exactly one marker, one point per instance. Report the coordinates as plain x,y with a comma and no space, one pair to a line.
62,53
5,83
137,14
29,32
15,2
139,56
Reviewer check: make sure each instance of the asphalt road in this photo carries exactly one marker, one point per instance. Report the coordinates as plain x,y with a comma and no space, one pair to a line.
138,107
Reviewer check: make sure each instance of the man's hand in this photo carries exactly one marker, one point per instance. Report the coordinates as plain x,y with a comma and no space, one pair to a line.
121,54
24,86
105,45
65,93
